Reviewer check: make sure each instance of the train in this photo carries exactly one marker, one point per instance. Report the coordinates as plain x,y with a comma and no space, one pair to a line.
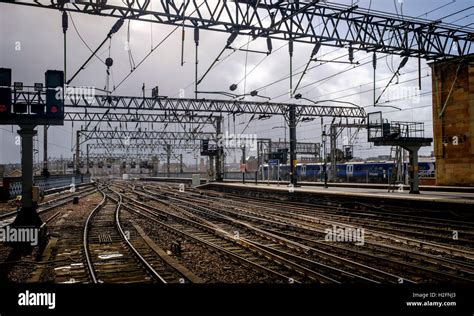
363,171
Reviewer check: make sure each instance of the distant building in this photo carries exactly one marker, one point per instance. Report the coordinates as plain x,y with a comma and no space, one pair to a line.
174,167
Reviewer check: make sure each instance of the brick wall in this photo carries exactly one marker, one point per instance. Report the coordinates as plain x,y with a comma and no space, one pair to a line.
454,163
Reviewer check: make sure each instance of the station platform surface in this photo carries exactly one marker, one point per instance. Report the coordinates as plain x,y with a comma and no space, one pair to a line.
447,194
372,193
365,186
379,186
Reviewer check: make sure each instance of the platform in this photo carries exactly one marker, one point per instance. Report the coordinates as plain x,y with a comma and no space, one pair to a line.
378,187
457,203
371,191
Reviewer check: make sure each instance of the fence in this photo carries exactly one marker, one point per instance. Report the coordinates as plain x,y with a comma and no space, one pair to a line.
12,185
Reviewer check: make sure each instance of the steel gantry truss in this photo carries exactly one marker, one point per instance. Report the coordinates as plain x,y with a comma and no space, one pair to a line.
313,21
125,156
301,148
137,143
123,135
142,147
171,108
132,152
88,116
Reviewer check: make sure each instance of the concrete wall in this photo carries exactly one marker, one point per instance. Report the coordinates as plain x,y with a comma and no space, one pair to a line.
453,127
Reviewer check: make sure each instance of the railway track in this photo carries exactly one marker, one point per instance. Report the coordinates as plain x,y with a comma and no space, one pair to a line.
379,225
248,253
425,225
434,267
128,237
114,255
333,265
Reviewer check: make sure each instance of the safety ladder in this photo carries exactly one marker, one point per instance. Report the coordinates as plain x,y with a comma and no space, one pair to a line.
395,176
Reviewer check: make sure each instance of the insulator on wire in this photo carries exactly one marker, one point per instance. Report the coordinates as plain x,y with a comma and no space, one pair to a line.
196,36
109,62
269,45
316,49
116,27
65,21
403,63
232,38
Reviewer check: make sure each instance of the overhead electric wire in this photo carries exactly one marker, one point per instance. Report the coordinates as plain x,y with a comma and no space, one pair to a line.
297,73
391,101
329,77
82,39
259,63
154,48
313,67
144,58
129,48
369,83
455,13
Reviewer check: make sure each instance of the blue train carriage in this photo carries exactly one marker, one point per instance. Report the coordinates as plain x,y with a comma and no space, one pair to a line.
427,168
380,171
363,171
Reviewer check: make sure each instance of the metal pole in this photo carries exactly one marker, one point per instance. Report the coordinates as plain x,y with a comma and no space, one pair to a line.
65,26
321,149
292,125
325,173
27,215
292,122
219,149
180,163
45,151
168,159
414,181
419,72
243,163
374,64
78,152
196,41
332,137
87,158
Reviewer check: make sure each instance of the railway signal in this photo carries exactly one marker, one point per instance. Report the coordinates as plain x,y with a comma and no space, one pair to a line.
54,81
5,92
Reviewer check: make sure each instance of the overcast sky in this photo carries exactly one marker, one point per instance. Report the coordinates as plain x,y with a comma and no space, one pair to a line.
31,42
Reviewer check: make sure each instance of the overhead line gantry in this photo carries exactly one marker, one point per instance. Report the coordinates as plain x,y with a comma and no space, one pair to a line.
298,21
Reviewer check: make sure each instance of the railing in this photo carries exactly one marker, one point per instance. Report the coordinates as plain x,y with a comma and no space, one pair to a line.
12,185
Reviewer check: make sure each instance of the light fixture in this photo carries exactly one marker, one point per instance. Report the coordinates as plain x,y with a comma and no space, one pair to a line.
18,86
38,86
